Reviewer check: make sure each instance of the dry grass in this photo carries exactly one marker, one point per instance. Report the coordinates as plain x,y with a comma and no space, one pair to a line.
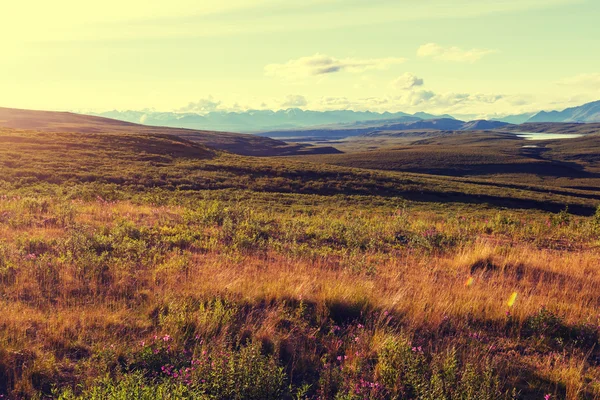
80,293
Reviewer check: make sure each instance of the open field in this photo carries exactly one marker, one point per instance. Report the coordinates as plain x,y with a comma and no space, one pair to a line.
149,266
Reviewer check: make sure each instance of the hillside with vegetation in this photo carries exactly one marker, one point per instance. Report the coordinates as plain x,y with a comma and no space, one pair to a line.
148,266
50,121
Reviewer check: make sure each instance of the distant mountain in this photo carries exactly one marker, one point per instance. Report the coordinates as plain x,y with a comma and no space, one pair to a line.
516,119
441,124
384,128
482,125
294,119
424,115
259,120
589,112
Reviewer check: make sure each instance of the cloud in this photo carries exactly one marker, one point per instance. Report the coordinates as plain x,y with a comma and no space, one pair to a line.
407,81
586,81
202,106
452,54
416,100
320,64
295,101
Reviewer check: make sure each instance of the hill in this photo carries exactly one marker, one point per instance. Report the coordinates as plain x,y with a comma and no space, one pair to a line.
147,161
494,156
482,125
48,121
555,127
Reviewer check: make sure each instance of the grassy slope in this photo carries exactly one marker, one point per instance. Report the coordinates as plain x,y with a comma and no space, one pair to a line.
494,157
132,161
48,121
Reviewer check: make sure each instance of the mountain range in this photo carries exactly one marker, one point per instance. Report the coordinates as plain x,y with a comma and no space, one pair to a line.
295,118
259,120
385,127
589,112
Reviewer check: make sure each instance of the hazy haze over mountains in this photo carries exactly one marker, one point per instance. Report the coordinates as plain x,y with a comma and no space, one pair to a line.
259,120
296,118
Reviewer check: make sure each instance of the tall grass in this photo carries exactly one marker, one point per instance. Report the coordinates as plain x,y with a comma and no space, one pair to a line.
228,296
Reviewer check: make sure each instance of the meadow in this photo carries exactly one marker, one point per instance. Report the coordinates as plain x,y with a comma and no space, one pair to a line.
147,266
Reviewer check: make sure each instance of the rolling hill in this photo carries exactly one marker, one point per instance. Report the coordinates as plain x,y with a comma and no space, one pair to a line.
146,161
494,156
49,121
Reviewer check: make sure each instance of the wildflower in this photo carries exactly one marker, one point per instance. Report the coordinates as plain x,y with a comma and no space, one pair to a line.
512,299
166,338
547,397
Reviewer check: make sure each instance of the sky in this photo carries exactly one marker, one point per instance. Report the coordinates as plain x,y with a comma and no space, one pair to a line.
463,57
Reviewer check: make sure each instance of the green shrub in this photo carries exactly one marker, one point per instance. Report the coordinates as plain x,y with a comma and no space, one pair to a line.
244,374
135,386
406,372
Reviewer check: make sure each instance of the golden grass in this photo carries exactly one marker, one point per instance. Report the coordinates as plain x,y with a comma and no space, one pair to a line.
63,323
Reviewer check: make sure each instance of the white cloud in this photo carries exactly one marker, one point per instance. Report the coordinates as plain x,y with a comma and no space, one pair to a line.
414,99
201,106
453,53
295,101
320,64
418,100
407,81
